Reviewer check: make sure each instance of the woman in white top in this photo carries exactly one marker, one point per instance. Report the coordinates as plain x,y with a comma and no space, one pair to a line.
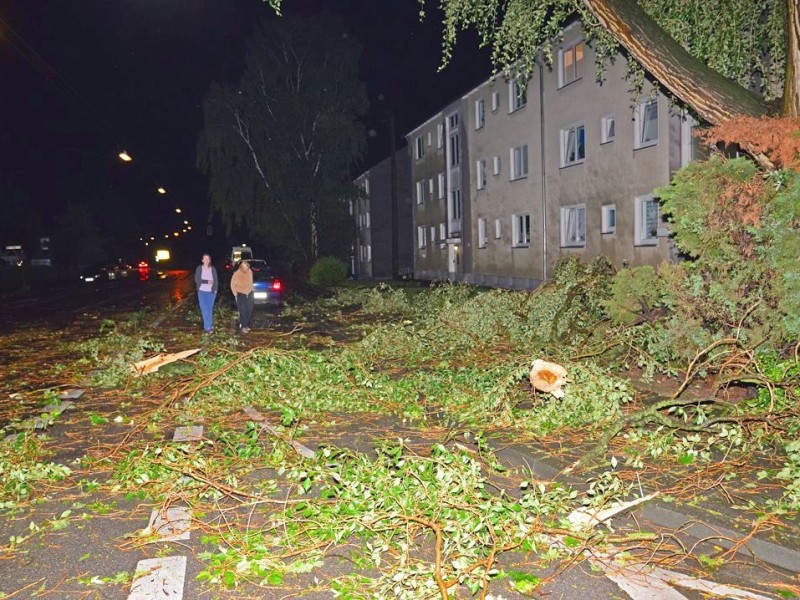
207,282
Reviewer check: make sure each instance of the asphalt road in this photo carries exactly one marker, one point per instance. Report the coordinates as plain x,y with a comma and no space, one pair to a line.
60,305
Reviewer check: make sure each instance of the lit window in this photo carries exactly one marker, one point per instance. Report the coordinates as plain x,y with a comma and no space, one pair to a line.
573,225
573,145
522,230
646,123
608,219
570,61
607,129
519,162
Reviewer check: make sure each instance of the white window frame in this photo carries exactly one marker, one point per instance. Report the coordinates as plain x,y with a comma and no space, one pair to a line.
440,135
366,187
521,226
430,139
495,101
456,205
573,226
498,229
576,129
441,185
420,192
419,148
482,233
430,187
517,96
480,173
606,124
433,234
576,53
640,129
606,226
480,113
496,165
442,231
517,171
367,221
422,233
645,235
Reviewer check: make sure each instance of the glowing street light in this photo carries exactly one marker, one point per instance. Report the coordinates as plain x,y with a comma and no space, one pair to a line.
161,190
125,156
178,210
176,234
186,222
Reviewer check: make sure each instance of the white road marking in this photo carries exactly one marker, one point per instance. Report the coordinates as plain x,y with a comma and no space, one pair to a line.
159,579
191,433
170,525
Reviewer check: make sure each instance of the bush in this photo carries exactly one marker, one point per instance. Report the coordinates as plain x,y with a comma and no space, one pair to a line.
328,271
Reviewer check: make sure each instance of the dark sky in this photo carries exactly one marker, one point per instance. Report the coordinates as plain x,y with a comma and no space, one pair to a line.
82,79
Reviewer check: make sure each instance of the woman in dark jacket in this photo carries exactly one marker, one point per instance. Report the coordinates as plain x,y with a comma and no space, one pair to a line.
207,282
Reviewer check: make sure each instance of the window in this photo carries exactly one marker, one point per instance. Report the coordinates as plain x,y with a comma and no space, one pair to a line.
646,123
496,165
430,187
433,234
480,113
608,219
519,162
442,231
517,94
495,101
440,135
573,225
570,62
366,253
441,185
366,220
573,145
482,237
421,237
498,229
522,230
455,205
366,187
607,129
419,148
480,170
350,207
455,150
647,221
420,192
453,121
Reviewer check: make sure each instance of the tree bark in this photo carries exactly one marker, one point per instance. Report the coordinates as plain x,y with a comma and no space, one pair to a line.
791,85
711,95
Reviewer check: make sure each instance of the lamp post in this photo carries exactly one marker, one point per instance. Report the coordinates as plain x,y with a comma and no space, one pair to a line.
393,199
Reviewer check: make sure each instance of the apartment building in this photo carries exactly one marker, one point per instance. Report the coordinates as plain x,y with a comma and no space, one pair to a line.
515,175
386,183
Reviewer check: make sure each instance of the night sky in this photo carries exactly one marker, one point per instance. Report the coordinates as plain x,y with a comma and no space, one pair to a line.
83,79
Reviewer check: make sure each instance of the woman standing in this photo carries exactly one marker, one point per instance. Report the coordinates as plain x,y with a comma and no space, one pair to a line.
207,282
242,288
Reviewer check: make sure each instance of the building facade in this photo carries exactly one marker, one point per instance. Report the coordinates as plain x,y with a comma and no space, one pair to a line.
385,184
516,175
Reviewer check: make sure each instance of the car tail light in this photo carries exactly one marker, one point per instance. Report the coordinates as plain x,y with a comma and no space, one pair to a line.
276,284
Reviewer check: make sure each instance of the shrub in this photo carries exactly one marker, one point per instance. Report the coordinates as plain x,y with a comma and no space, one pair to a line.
328,271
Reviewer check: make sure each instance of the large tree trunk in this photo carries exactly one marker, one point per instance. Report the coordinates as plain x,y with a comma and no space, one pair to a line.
791,85
712,96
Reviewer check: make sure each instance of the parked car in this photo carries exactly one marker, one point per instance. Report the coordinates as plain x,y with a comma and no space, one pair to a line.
93,273
267,287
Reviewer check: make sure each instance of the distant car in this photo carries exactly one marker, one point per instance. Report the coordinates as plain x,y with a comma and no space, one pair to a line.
93,273
267,287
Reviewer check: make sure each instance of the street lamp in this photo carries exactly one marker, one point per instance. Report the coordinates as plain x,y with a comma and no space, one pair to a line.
161,190
125,156
178,210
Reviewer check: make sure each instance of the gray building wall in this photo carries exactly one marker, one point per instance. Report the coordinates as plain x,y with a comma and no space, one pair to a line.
373,216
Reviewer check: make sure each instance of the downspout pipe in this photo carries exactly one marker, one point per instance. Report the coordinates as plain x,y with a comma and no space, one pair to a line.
543,170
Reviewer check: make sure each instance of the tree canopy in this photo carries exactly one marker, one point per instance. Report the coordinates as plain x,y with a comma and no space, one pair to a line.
278,144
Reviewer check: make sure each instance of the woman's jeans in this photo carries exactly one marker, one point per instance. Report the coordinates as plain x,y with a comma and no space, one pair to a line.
206,300
244,302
